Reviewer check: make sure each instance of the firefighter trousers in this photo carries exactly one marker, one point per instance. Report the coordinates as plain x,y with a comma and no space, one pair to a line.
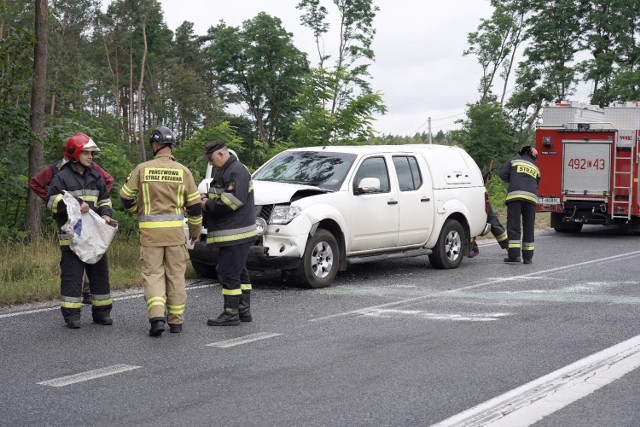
72,270
232,269
497,229
518,211
163,270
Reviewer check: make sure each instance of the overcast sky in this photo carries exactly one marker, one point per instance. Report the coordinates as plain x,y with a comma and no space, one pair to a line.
419,68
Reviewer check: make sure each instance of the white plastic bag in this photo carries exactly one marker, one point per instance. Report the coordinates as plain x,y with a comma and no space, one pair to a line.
89,234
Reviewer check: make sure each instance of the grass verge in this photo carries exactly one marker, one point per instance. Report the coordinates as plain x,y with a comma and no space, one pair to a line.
31,272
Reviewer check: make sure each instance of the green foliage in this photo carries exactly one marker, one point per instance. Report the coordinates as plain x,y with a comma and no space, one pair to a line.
337,103
495,42
496,188
486,135
318,125
259,67
190,152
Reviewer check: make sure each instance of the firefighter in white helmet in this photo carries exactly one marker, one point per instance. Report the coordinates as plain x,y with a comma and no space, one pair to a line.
160,192
523,177
78,177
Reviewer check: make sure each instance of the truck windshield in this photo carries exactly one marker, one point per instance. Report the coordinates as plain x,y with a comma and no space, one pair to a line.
319,169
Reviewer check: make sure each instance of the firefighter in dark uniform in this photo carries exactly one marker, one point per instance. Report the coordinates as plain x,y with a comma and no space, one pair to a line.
79,178
160,192
231,226
39,184
498,231
523,177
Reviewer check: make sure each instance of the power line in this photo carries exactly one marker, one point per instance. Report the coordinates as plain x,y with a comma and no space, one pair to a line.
434,120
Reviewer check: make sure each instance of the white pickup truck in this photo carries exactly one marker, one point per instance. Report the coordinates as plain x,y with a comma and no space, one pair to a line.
320,209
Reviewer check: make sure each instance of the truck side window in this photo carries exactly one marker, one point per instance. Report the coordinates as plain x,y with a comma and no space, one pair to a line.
373,167
408,172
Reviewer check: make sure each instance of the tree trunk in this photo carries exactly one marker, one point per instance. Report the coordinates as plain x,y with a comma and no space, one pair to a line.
140,83
132,124
38,91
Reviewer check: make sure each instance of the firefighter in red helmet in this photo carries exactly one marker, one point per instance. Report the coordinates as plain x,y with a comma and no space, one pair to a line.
523,177
78,177
39,184
161,191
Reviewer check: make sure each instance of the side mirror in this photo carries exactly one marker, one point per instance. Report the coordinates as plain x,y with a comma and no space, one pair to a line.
368,185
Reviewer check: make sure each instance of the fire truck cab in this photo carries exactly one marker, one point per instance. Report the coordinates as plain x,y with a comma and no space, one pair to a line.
588,159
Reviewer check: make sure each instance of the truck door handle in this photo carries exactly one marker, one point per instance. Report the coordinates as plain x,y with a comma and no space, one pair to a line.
425,199
392,202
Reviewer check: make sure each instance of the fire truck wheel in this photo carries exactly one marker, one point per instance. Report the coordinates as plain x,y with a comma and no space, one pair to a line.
569,228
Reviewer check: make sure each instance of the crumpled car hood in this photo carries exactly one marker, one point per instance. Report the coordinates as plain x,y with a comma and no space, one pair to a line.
272,193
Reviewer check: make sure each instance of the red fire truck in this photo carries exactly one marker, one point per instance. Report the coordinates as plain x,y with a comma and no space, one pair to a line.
588,159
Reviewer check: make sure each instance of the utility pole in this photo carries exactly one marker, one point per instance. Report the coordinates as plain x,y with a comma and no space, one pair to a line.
430,139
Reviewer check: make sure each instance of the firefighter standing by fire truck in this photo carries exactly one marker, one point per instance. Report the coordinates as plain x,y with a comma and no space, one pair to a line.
160,191
523,177
231,226
81,180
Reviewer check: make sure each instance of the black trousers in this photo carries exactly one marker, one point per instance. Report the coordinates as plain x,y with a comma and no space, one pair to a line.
520,212
71,277
232,266
497,229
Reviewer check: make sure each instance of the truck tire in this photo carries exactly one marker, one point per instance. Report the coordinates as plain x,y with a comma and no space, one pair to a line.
574,227
564,227
319,264
448,251
205,270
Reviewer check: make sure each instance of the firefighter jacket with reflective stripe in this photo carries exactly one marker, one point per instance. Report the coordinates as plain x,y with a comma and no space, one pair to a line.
87,186
40,181
230,209
523,177
160,191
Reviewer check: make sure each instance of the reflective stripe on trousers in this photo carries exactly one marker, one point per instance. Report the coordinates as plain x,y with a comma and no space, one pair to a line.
163,270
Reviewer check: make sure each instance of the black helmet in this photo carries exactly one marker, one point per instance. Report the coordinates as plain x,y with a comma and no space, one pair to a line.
528,150
163,136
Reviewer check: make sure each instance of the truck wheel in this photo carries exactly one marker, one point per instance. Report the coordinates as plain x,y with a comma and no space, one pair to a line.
573,227
319,264
205,270
564,227
447,253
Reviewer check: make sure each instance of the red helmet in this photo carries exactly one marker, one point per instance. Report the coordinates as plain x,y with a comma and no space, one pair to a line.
534,153
77,143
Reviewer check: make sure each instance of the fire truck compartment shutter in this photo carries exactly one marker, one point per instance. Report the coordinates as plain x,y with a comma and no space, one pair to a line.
586,168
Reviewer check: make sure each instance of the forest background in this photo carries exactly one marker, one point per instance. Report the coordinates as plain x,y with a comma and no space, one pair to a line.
116,73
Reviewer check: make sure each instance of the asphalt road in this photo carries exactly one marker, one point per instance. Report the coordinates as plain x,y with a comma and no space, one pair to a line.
395,343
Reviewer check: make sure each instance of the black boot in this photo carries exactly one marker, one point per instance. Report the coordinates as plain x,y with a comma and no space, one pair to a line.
101,313
175,329
106,320
513,256
244,307
157,328
72,324
71,317
229,317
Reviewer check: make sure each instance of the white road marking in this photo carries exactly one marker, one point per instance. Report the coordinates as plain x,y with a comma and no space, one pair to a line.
532,402
20,313
456,317
88,375
478,285
122,298
243,340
